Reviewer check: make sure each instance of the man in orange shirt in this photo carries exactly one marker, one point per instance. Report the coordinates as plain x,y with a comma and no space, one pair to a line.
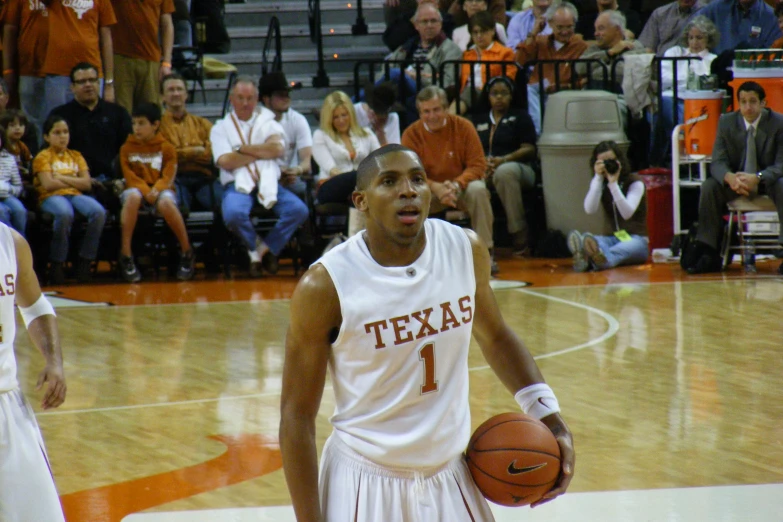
139,59
452,155
25,40
83,34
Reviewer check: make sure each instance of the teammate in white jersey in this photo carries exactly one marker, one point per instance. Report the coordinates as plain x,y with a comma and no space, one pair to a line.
27,491
390,313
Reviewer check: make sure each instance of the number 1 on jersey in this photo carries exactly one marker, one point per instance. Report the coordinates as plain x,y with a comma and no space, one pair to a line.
427,356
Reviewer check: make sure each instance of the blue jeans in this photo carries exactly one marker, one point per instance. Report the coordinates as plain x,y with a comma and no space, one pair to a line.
31,98
189,187
57,92
13,214
289,209
633,252
62,207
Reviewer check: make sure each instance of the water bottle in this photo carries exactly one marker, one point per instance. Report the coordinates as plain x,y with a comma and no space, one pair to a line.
749,256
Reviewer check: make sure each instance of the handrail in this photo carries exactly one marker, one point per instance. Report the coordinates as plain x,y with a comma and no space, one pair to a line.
231,78
386,73
360,27
575,81
321,79
520,78
272,35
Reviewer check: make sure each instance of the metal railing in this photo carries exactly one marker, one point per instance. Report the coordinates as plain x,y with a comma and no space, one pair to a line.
272,36
377,69
321,79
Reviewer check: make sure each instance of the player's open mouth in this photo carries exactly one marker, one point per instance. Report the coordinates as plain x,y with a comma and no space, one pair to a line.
408,215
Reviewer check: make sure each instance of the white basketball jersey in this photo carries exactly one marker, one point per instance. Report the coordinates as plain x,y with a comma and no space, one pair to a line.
399,365
7,319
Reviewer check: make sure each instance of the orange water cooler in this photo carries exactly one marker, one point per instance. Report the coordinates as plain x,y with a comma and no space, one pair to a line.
701,114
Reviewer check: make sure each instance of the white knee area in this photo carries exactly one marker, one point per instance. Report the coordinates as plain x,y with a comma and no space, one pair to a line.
41,307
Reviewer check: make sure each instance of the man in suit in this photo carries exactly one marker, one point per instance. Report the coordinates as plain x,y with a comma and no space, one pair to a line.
747,159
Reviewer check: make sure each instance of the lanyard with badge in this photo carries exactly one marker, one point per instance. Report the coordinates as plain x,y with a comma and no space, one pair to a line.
620,233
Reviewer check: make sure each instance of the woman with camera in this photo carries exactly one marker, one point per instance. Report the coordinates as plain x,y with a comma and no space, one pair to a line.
621,194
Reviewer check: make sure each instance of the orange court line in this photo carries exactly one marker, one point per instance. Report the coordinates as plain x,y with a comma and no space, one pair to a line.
246,457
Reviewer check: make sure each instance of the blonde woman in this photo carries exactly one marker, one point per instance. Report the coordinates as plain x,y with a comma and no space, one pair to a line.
338,148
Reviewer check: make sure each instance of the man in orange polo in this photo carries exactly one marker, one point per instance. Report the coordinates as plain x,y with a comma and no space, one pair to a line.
143,40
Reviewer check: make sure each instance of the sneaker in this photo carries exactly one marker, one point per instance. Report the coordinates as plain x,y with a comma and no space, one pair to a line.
56,274
593,251
494,269
84,270
128,269
519,243
576,246
270,263
185,270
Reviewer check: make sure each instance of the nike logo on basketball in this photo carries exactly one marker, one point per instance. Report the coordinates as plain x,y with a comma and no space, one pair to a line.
513,470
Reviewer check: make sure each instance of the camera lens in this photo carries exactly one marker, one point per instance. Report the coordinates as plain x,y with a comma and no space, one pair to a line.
611,166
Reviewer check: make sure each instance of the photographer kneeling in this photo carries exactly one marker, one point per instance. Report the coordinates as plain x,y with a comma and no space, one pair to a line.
621,194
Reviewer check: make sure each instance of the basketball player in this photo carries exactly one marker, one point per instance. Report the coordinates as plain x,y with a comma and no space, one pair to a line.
390,312
27,490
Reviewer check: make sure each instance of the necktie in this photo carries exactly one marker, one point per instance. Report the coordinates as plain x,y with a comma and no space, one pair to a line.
750,152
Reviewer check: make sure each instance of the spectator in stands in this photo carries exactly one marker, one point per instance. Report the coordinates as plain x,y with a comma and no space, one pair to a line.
143,41
296,162
80,33
149,165
98,129
12,211
749,24
451,153
665,26
778,44
431,46
562,44
25,40
190,136
736,171
461,34
586,26
378,112
621,194
508,137
15,123
698,37
485,48
62,178
533,20
339,146
241,138
455,8
610,44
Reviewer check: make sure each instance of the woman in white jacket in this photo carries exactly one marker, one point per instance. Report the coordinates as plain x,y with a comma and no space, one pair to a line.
339,146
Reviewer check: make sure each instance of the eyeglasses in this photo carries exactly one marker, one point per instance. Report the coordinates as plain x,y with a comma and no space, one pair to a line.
559,28
475,1
429,21
86,81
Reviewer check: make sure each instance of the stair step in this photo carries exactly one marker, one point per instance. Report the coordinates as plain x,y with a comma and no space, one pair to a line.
288,31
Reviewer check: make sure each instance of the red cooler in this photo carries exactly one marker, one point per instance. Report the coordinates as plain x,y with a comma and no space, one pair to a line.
703,110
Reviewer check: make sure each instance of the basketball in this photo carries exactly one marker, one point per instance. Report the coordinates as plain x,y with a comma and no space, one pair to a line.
514,459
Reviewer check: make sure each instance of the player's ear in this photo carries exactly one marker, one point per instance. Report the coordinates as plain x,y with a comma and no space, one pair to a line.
359,201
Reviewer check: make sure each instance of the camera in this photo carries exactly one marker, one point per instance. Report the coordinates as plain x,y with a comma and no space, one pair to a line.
611,166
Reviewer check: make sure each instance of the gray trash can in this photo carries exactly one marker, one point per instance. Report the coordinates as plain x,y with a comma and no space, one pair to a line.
574,123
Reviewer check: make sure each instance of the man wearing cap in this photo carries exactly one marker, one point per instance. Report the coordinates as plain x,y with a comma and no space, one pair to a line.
275,94
190,136
376,113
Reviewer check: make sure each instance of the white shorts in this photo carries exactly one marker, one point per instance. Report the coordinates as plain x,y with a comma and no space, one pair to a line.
27,489
352,488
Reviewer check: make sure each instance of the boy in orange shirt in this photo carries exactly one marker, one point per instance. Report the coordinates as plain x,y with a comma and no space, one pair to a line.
149,164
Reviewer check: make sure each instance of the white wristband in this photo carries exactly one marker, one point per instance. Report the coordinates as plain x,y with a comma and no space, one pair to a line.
537,400
41,307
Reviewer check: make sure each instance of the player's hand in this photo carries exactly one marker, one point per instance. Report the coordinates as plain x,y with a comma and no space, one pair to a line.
567,457
54,378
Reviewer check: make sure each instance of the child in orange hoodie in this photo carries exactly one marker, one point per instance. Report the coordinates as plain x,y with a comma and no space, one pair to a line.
149,164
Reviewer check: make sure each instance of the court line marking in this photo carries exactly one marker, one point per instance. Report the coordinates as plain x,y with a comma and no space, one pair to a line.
614,326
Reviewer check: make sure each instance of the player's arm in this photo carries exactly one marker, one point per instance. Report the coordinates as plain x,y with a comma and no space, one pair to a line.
315,317
511,361
41,324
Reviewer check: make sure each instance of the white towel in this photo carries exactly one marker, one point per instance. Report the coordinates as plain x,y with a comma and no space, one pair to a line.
268,171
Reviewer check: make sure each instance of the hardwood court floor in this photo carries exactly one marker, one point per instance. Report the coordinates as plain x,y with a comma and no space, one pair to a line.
667,381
